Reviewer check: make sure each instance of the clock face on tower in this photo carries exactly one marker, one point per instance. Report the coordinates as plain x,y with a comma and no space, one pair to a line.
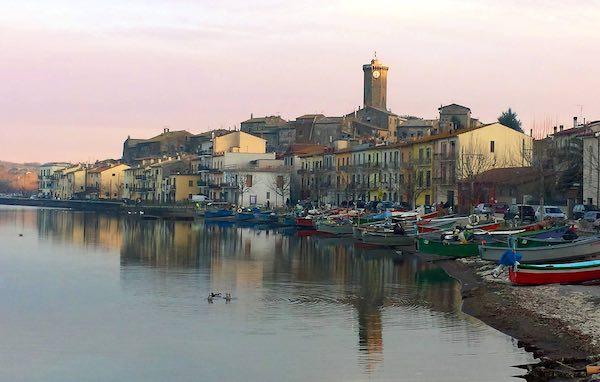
375,74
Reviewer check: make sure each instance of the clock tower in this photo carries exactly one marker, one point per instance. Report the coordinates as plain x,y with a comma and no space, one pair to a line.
375,87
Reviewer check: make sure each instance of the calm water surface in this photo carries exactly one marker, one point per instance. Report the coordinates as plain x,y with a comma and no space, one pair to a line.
86,297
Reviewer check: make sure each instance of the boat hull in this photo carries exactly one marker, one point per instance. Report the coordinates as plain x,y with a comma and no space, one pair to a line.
305,223
219,214
456,250
335,229
556,273
547,253
388,240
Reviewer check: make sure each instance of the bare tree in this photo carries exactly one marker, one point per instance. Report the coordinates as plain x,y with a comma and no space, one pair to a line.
474,159
244,183
280,184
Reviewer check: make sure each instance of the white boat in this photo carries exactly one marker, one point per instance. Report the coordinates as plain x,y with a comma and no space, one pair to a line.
388,239
543,253
335,227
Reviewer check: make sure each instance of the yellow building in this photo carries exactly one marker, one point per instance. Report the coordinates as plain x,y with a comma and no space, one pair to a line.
106,182
71,182
239,142
419,182
464,153
181,188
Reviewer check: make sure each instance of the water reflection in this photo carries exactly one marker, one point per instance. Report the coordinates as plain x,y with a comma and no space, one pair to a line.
311,271
337,310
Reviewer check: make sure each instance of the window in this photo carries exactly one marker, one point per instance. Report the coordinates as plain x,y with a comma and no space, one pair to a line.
248,180
428,179
190,183
268,195
492,144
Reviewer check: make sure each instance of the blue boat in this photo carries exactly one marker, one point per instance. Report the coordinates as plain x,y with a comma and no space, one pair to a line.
246,214
221,213
265,216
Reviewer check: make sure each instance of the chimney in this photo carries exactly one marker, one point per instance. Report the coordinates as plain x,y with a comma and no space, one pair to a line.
531,132
574,121
251,115
554,129
562,127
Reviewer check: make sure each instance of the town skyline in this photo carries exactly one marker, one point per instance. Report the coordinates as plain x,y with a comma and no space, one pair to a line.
103,73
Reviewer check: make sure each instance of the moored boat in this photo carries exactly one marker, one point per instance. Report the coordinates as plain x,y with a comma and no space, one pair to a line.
563,273
339,227
265,216
545,251
451,249
219,214
388,239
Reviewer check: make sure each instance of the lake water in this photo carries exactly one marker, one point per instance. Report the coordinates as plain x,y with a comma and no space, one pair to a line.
87,297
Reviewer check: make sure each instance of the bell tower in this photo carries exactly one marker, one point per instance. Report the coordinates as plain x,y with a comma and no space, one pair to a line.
375,86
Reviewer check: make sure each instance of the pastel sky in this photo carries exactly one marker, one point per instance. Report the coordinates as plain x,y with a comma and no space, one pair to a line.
77,77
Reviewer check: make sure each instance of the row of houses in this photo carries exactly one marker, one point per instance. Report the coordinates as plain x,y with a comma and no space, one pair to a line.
235,168
426,170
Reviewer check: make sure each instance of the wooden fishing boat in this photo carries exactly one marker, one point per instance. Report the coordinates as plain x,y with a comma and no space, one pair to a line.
221,213
563,273
545,251
306,222
388,239
335,227
244,214
265,217
451,249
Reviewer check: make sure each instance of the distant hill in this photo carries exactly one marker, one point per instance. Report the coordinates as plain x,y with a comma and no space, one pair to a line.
18,177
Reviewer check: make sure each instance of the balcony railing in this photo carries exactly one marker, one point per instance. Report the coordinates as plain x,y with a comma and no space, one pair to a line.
445,156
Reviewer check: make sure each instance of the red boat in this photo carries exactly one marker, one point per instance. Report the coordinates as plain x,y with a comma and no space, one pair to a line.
305,223
560,273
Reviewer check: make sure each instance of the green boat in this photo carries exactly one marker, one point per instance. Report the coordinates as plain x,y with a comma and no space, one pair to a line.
449,249
528,239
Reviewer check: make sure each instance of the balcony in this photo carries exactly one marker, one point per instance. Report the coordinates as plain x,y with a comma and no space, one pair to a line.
201,183
423,162
445,156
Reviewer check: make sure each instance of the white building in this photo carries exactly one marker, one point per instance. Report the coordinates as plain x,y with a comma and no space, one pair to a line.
48,179
262,182
219,185
591,164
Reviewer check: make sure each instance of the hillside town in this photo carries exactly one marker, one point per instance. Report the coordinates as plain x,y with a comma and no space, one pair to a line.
370,154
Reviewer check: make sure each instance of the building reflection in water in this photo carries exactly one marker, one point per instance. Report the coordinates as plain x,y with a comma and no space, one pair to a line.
272,266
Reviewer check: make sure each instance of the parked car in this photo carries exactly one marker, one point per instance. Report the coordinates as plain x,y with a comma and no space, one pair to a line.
591,216
483,208
501,208
580,209
523,212
550,212
384,205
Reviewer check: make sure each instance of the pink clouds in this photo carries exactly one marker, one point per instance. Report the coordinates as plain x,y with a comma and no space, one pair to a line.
74,86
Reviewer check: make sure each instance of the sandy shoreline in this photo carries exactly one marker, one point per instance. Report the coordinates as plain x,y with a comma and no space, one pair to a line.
555,322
